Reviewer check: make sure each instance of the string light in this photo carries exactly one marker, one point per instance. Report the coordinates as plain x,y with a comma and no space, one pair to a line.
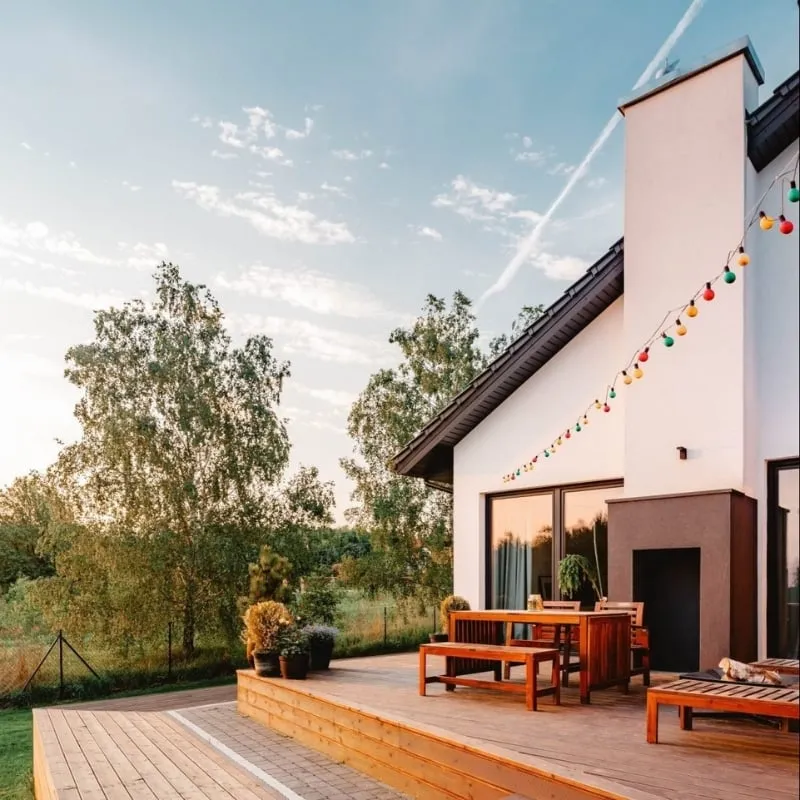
690,309
743,260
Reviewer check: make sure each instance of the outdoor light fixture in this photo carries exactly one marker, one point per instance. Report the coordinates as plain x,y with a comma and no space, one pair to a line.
682,453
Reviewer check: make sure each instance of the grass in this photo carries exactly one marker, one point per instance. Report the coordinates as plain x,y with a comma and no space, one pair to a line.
16,747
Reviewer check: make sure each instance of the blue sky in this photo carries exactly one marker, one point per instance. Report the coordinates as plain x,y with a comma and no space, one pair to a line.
322,166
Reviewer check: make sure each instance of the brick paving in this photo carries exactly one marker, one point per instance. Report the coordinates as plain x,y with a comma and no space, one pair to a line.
311,775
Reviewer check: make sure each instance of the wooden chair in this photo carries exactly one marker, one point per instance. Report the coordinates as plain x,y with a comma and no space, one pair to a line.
545,635
640,635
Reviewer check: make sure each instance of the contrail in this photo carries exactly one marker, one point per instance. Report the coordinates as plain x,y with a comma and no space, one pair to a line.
526,248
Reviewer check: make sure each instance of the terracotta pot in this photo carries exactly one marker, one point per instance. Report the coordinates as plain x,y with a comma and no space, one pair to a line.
438,637
266,665
321,653
294,667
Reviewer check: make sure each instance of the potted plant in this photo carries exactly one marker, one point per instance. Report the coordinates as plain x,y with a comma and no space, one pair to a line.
573,571
264,623
321,639
294,653
451,603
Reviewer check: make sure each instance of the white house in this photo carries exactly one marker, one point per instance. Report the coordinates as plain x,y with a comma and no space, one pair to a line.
689,484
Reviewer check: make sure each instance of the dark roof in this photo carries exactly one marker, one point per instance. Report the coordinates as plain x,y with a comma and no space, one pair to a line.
430,454
772,127
775,124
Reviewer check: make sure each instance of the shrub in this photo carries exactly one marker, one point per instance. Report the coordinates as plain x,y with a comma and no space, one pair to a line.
293,642
451,603
263,625
269,577
319,603
320,633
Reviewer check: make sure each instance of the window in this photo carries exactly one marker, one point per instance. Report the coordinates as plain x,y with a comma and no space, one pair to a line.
521,557
586,532
523,554
783,559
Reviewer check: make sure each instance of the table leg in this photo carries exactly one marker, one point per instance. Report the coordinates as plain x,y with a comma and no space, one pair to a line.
685,717
652,719
530,682
422,671
583,656
555,679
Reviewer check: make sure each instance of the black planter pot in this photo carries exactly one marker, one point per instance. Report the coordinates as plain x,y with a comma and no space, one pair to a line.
321,653
438,637
266,665
294,667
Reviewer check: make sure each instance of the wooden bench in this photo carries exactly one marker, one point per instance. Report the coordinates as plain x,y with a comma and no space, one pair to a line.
640,635
783,666
530,656
741,698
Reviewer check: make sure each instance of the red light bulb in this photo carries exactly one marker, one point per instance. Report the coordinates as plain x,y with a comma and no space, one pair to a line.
644,355
708,293
606,408
786,226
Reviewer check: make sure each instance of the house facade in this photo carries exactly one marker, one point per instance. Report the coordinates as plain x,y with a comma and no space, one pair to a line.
685,491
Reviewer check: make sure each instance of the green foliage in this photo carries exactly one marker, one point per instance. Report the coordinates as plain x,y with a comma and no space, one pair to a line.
573,571
181,445
269,577
319,602
293,641
264,623
320,634
16,755
451,603
526,317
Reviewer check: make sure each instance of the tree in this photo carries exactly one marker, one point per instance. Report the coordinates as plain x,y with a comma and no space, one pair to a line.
526,317
181,442
410,524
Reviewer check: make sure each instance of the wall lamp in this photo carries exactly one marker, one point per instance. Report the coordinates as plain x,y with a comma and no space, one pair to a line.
683,453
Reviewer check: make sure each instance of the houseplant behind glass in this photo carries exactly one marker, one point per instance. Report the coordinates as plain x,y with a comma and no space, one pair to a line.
294,655
264,624
573,570
321,639
451,603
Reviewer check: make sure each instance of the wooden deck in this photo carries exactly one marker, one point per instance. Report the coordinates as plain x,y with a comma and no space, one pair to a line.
116,755
483,744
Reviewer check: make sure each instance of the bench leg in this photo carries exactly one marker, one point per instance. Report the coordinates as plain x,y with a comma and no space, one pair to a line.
652,719
450,671
423,668
530,683
685,717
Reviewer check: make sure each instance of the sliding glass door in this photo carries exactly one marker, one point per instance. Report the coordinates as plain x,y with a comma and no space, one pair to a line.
783,559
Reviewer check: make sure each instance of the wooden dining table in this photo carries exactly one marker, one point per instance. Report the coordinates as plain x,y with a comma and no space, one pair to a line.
603,641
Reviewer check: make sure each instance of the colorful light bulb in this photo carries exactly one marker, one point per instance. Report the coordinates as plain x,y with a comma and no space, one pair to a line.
729,276
597,405
606,408
638,372
793,195
680,328
578,428
764,221
612,393
567,434
708,293
585,421
535,459
668,340
786,226
644,355
743,260
559,441
626,379
691,310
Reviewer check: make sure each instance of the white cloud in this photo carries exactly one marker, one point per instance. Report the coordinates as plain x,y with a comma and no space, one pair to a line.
267,214
334,397
308,126
383,165
224,155
87,300
428,232
73,165
304,197
142,256
562,168
203,122
350,155
527,142
560,268
296,336
25,146
308,289
596,183
260,126
131,186
531,157
331,189
36,237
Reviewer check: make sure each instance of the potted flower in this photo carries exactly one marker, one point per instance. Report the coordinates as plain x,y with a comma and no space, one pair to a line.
321,639
294,653
451,603
264,623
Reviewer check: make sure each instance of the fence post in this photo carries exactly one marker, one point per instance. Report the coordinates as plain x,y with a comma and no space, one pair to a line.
385,626
169,650
61,664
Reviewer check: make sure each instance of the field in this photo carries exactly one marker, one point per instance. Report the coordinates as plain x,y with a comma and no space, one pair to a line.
368,626
15,755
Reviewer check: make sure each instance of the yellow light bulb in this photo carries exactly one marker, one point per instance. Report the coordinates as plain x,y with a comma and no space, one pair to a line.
681,330
765,222
597,405
743,259
638,372
559,441
627,380
586,420
692,310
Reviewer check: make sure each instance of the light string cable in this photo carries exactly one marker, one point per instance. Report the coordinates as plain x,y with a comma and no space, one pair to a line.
641,354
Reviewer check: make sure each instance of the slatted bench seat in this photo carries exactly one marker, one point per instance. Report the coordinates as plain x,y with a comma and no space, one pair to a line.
531,657
741,698
783,666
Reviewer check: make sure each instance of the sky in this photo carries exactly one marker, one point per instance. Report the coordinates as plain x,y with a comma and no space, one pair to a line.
321,166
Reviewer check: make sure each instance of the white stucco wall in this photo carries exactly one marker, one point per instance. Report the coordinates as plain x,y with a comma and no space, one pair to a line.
547,403
684,210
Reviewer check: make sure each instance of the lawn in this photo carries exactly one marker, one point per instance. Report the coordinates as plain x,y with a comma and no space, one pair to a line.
15,755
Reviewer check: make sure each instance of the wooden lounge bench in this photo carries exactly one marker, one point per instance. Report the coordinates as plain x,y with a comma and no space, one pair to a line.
741,698
783,666
530,656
